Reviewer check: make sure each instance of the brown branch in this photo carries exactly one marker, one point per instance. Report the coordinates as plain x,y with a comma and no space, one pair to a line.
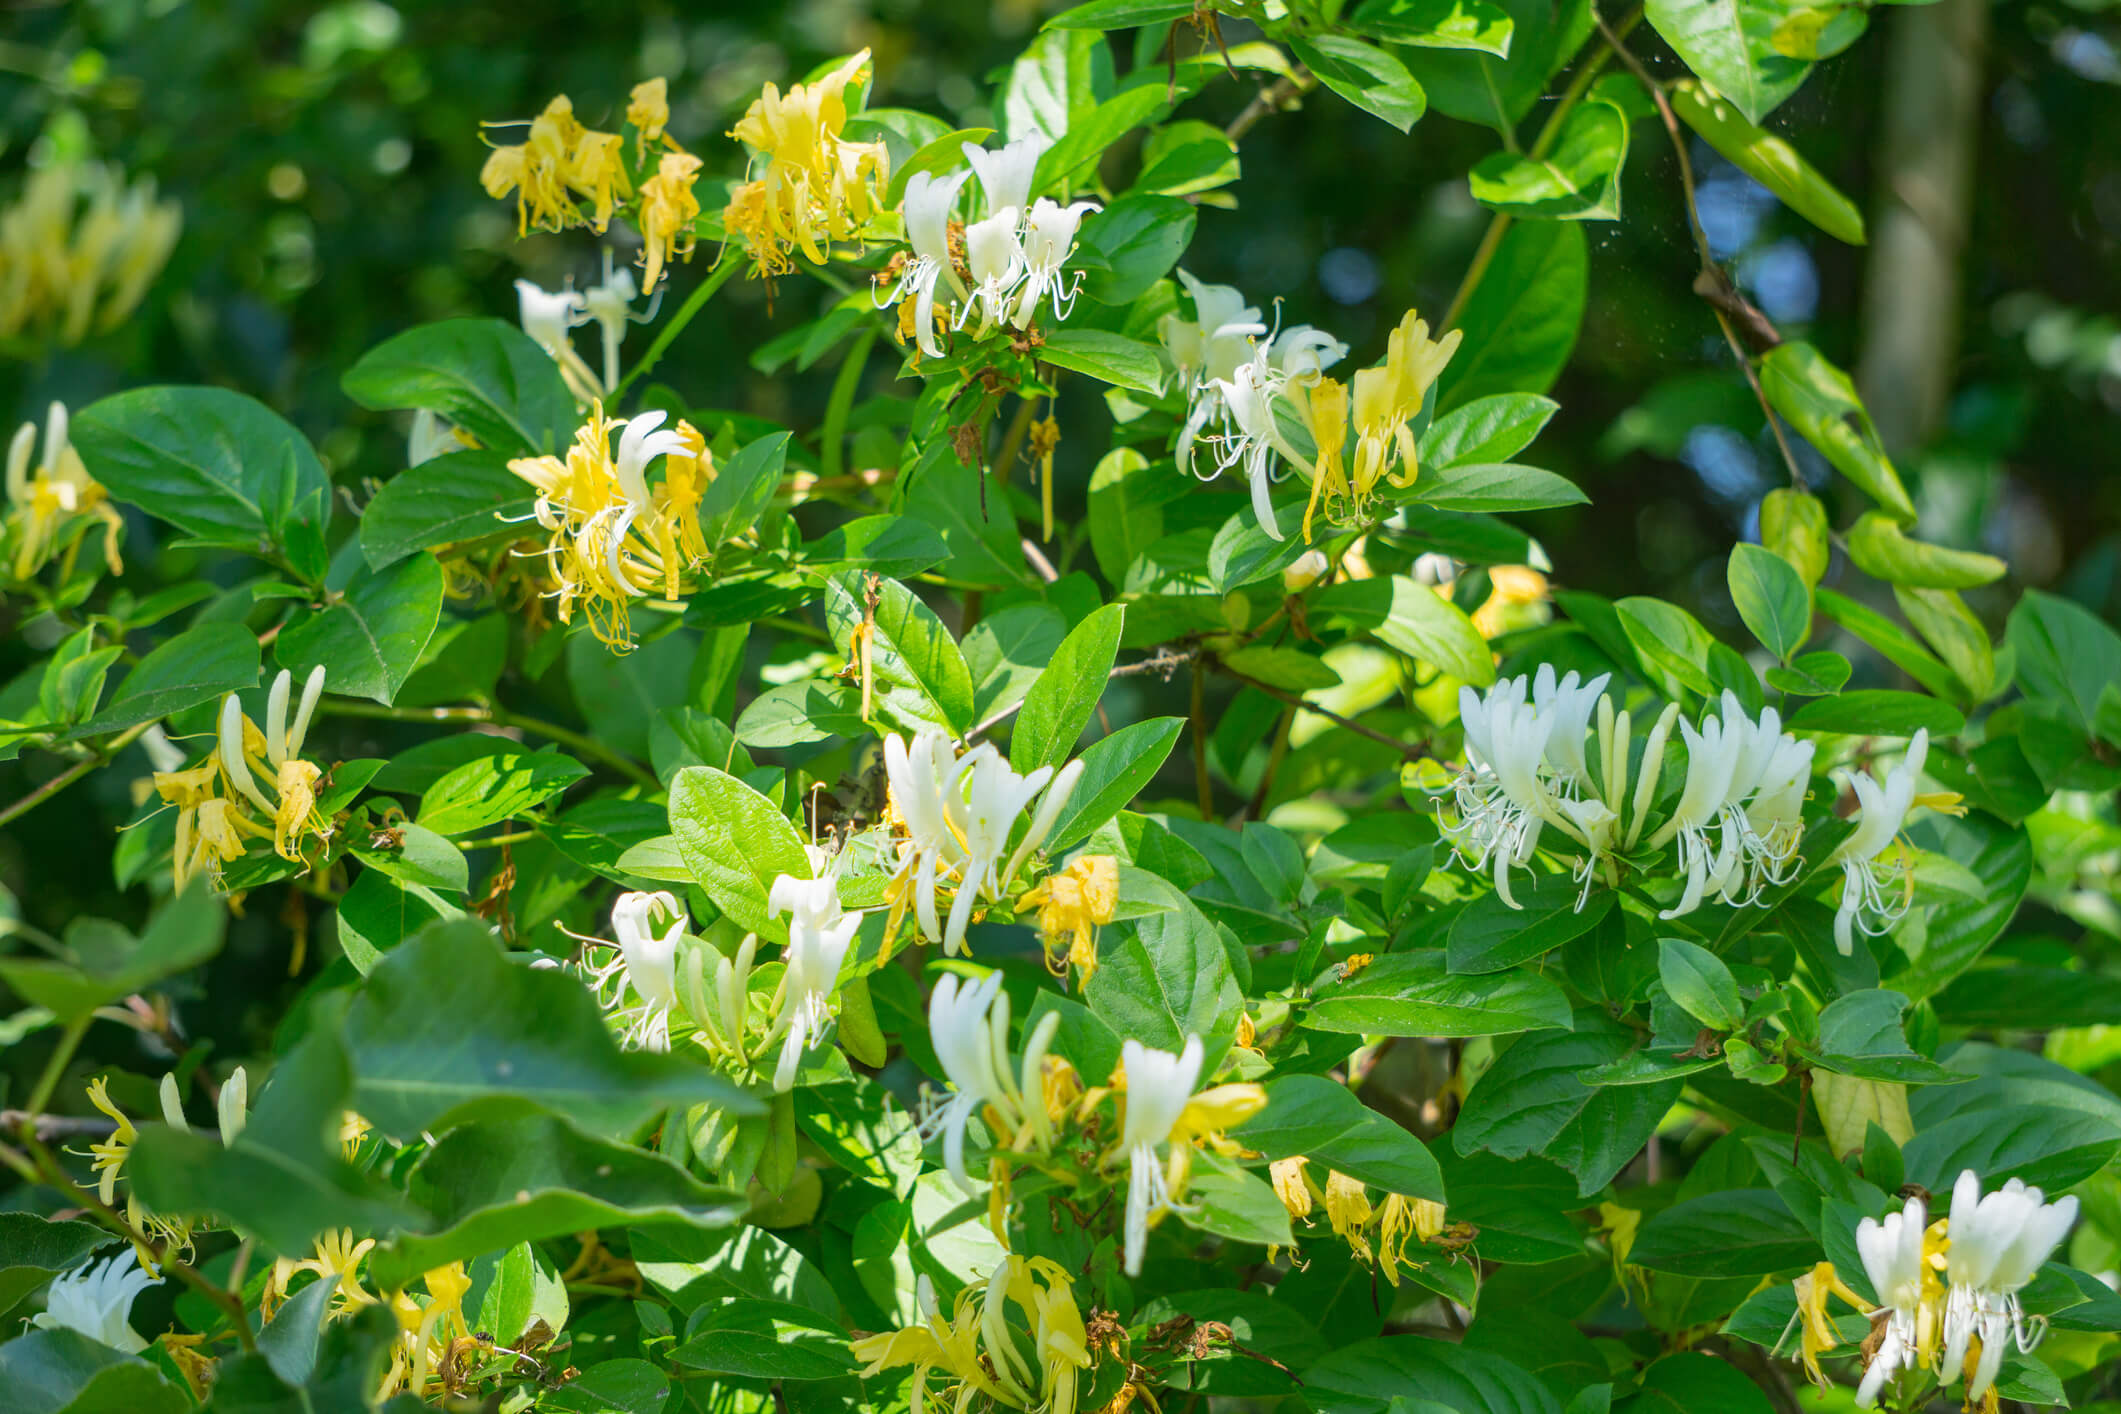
46,1126
1407,752
1274,98
73,773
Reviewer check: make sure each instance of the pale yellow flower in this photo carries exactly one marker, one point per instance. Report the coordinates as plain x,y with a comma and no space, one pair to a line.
811,186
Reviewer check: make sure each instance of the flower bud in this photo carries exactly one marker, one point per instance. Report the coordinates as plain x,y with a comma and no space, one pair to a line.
1309,569
1793,525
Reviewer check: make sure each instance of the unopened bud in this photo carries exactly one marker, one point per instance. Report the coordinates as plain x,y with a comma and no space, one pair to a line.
1793,525
1309,569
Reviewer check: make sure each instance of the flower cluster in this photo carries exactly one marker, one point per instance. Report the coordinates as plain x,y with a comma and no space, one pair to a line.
1534,761
985,1353
434,1336
78,250
51,500
1395,1222
954,813
1234,373
96,1300
808,184
550,316
107,1158
213,798
612,539
998,268
1947,1291
561,163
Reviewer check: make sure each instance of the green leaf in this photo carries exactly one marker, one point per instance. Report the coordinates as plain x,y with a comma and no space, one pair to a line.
936,156
984,549
492,1185
35,1249
2065,654
1061,702
1413,994
486,376
198,665
462,496
1878,712
1964,911
222,468
1700,983
1072,160
1950,627
1738,1232
1120,14
1054,83
752,1344
1126,516
1731,45
1006,651
1412,617
1233,1203
1488,935
290,1339
736,842
1691,1381
1115,770
489,789
1771,598
284,1179
1387,1374
1821,402
1893,642
448,1030
1130,245
1768,160
893,545
1521,320
1860,1034
1880,548
1485,432
734,500
1110,358
1495,487
1533,1100
1819,674
1578,181
612,1387
1368,77
1323,1119
371,638
106,963
908,646
1439,24
64,1372
799,713
1166,979
1290,669
421,858
1671,643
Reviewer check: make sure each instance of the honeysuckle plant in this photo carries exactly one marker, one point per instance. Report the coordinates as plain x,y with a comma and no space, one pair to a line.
795,917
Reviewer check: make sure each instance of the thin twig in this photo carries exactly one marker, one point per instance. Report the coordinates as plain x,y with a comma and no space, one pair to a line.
1410,753
1272,99
1163,660
73,773
52,1126
494,716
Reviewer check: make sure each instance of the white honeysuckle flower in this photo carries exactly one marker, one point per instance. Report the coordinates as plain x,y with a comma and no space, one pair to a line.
610,307
1208,351
1250,438
1713,755
922,776
1159,1087
1303,354
1503,800
172,1103
1049,237
96,1300
1892,1255
647,961
968,1023
163,755
994,252
233,763
1006,173
1998,1244
232,1106
1571,705
1308,569
819,934
1595,824
1883,809
547,315
926,211
283,739
643,440
983,810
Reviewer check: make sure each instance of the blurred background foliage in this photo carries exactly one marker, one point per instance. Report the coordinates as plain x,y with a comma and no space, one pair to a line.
325,159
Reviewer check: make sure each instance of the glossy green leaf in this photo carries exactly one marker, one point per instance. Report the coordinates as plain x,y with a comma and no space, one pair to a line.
1522,319
470,495
369,639
1115,770
1109,358
1731,1233
1700,982
1579,180
1878,712
1731,46
484,375
489,789
1881,548
1771,598
1767,159
1370,78
1325,1121
1820,401
1439,24
1060,704
448,1030
198,665
736,842
1414,994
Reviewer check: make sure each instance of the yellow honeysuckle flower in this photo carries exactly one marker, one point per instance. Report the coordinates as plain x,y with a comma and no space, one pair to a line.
1324,409
611,539
1072,905
978,1345
78,250
1386,398
245,752
815,186
668,209
648,110
537,169
1348,1209
297,814
1817,1333
1403,1220
108,1155
44,496
1287,1175
596,169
